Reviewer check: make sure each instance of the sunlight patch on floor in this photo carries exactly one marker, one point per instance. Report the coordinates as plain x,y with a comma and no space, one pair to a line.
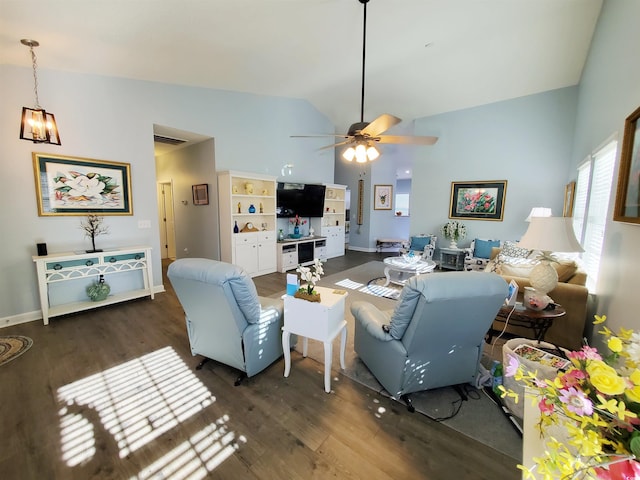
136,402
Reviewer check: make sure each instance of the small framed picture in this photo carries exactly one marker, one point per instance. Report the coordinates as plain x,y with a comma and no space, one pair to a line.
382,197
569,195
200,194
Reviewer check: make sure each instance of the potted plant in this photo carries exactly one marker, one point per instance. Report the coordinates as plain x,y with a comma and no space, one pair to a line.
454,231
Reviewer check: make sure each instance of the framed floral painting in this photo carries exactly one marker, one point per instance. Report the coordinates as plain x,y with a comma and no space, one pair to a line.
382,197
478,200
79,186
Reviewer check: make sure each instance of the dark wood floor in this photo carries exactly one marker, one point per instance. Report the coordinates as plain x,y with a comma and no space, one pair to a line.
112,394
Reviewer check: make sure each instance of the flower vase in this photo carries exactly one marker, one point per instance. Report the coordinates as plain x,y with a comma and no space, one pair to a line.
296,230
453,244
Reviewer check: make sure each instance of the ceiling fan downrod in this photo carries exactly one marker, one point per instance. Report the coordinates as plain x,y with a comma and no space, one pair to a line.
364,50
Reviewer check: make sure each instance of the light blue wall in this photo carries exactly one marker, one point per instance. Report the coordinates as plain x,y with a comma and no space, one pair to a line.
609,92
526,141
112,119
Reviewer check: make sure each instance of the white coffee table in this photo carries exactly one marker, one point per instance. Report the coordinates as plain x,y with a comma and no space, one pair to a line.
319,321
400,266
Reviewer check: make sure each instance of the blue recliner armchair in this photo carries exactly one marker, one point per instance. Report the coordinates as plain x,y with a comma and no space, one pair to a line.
434,336
226,319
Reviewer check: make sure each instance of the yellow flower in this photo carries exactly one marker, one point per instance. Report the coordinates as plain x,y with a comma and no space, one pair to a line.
599,319
615,344
625,333
633,394
605,378
635,377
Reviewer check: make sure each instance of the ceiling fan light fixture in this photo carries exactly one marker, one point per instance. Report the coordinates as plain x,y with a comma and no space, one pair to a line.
349,154
372,153
361,153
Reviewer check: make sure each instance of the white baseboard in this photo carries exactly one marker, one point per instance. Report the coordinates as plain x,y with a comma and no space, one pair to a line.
37,314
362,249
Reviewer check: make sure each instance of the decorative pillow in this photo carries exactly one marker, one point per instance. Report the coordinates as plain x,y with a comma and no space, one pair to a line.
511,249
483,248
566,269
514,266
418,243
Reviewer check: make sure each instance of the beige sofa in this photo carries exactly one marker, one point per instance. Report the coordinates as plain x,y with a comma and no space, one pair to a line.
570,292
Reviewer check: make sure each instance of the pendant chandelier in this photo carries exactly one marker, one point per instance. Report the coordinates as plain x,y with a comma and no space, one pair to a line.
37,125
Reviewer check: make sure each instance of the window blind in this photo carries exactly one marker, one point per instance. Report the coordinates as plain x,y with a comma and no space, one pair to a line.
593,190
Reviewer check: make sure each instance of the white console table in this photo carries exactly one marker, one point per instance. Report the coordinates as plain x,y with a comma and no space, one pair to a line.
67,267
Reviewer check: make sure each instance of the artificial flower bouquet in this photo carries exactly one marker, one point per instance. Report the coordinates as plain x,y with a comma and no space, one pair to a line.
597,402
297,221
311,275
454,230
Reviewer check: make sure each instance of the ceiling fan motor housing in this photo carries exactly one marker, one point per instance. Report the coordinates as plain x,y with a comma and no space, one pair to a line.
357,127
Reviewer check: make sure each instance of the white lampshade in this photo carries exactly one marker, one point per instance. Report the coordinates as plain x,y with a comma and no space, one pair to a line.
349,154
539,212
550,234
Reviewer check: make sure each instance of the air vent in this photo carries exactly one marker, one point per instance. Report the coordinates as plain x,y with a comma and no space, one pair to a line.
168,140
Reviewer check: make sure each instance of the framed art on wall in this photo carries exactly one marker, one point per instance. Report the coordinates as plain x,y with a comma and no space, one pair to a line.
478,200
569,195
79,186
627,207
382,197
200,194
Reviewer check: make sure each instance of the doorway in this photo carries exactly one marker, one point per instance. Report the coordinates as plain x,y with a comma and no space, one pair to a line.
166,221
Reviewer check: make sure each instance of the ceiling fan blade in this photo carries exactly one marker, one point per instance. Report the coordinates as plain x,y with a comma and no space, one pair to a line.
381,124
406,140
335,145
337,135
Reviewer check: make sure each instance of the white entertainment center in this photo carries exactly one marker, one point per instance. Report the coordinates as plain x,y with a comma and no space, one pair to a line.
302,251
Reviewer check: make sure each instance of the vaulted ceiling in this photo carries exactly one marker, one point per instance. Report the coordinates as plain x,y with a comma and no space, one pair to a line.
423,56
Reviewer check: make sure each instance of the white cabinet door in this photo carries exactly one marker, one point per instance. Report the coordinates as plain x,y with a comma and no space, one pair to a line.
246,252
335,241
267,259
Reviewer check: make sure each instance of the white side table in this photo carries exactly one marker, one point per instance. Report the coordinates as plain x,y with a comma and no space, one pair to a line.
321,321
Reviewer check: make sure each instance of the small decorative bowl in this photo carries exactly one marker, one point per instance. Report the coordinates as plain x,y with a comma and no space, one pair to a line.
295,235
411,259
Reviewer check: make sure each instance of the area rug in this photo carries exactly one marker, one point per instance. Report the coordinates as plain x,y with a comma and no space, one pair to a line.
477,417
12,346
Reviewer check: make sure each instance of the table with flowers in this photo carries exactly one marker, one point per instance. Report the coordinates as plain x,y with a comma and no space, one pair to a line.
586,423
321,321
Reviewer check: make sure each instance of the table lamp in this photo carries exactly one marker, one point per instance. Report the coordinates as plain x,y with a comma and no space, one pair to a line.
548,234
539,212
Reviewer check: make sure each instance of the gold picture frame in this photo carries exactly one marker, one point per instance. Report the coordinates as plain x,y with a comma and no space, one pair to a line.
382,197
74,186
569,196
482,200
627,208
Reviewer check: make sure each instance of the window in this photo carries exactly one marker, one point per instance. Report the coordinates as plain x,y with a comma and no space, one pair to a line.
402,204
593,190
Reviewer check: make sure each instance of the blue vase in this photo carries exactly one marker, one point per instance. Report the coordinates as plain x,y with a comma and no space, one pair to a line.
296,230
252,209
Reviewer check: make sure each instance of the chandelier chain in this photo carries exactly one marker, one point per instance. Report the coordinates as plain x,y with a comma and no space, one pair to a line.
34,62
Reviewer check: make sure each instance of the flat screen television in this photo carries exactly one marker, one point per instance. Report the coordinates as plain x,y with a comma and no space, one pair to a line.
304,200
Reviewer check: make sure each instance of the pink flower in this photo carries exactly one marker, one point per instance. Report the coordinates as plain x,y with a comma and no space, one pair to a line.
512,367
545,406
576,401
586,353
572,378
621,470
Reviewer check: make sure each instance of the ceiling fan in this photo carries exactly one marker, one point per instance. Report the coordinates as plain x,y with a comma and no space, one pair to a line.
362,136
